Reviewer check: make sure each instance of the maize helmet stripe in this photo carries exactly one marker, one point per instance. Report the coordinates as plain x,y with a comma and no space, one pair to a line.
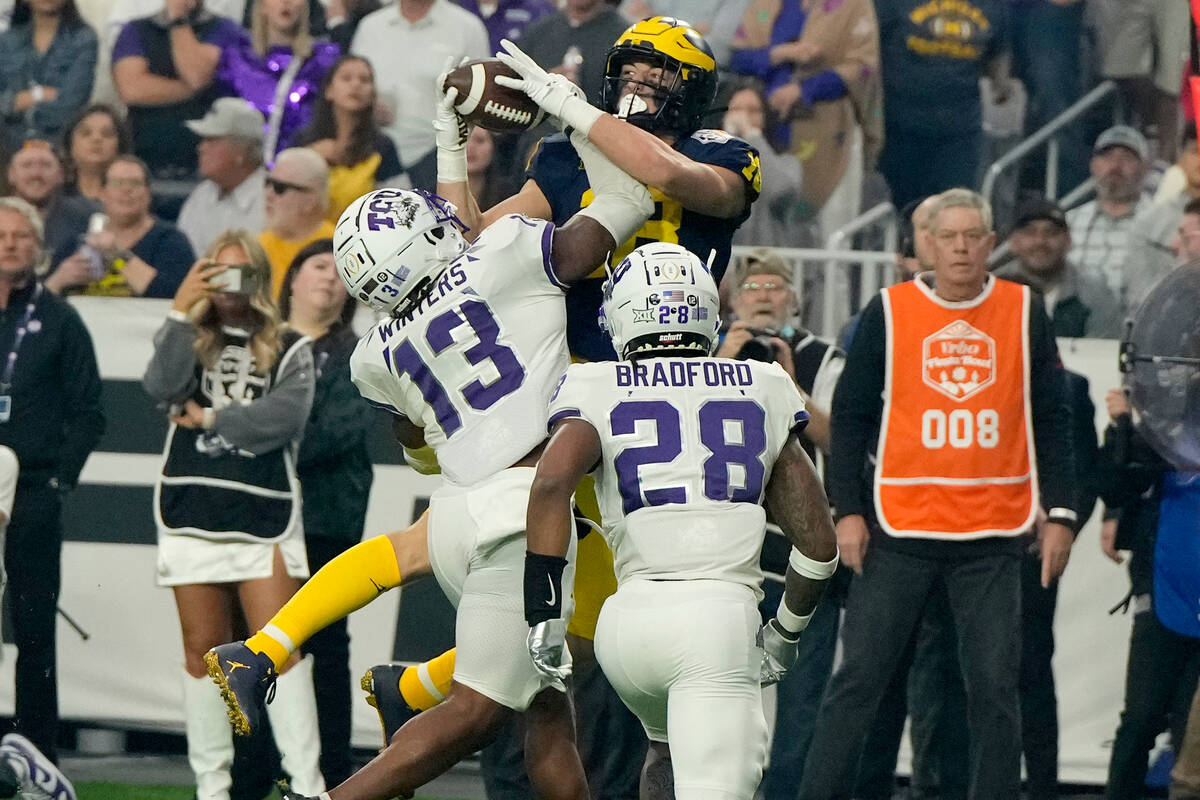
671,37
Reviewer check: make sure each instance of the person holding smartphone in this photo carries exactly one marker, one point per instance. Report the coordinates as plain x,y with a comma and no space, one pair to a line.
239,387
133,254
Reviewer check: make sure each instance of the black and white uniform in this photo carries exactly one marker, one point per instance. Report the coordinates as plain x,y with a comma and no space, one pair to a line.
226,497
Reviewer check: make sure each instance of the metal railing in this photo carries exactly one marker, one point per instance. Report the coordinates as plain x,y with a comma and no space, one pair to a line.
1046,135
822,269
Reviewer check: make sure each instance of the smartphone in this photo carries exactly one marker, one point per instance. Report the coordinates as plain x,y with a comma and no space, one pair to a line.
237,279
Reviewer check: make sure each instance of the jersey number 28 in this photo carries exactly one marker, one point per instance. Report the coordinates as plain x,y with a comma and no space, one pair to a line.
744,419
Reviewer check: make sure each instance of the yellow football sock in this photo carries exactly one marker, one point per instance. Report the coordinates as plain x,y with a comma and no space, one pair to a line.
426,685
345,584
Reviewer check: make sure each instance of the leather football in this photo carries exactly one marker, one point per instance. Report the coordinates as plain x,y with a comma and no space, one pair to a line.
486,103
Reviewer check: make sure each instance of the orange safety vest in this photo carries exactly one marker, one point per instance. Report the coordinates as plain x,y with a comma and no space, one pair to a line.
955,458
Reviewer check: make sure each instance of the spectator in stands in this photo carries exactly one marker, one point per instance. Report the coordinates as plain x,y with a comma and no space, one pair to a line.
47,64
51,417
574,41
231,195
136,254
240,387
1102,229
507,19
820,66
488,182
1144,45
164,67
35,174
1164,664
95,137
343,131
335,473
776,219
408,44
1078,304
296,196
1187,239
931,64
279,69
343,17
1046,50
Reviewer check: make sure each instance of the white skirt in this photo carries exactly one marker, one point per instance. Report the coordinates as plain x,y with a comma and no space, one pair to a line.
184,560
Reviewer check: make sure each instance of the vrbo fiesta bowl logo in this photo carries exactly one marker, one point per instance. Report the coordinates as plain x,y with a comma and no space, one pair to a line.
959,360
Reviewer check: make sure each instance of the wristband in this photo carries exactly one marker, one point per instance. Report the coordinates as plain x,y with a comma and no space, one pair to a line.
452,165
810,568
37,93
423,460
208,418
543,587
789,620
579,114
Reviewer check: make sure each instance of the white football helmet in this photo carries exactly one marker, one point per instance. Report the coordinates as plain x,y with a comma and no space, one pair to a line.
661,297
391,243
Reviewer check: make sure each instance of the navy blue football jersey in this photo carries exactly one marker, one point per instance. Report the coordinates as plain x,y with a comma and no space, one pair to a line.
559,173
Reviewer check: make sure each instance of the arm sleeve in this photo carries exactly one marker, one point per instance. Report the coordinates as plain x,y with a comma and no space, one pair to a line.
1051,414
76,84
171,374
278,417
827,85
173,258
83,417
1083,436
340,417
856,413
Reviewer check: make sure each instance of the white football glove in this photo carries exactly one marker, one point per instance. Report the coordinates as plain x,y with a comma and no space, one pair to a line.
780,650
547,643
451,131
557,96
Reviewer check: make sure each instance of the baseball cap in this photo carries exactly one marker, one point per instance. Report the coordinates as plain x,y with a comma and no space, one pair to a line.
1123,136
1041,209
765,261
229,116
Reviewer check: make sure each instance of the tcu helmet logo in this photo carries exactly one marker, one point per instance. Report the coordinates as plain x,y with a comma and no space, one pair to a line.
959,360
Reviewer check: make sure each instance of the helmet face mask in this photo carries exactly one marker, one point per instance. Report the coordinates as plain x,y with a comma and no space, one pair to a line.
661,299
390,246
688,82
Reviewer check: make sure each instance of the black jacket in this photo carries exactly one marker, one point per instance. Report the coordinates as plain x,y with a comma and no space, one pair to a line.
1130,480
56,417
334,469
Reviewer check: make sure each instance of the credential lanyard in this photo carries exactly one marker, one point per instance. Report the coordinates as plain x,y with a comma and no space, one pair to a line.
10,362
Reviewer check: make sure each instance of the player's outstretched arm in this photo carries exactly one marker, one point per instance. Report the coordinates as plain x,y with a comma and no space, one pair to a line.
704,188
620,207
798,504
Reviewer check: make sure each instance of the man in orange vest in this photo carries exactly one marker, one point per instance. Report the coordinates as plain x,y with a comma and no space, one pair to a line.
949,426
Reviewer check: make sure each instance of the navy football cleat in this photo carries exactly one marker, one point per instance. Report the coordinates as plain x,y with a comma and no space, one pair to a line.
37,777
382,685
247,681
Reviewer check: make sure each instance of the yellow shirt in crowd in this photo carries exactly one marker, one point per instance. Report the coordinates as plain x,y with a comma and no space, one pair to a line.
280,251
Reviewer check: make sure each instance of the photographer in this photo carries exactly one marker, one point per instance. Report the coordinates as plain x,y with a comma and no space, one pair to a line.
227,506
764,303
765,307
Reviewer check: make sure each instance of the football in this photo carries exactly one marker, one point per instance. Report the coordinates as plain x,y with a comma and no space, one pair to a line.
486,103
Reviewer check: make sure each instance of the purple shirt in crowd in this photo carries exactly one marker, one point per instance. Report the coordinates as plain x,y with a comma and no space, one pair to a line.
255,78
510,19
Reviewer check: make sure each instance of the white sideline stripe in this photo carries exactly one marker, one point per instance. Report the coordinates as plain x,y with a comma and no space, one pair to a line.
942,481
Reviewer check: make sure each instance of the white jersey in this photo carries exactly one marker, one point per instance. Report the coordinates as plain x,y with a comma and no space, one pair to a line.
688,448
476,362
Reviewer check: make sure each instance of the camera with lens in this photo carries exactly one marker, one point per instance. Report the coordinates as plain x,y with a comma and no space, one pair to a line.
759,347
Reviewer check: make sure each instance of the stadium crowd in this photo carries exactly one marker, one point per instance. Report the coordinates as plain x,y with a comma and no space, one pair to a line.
148,149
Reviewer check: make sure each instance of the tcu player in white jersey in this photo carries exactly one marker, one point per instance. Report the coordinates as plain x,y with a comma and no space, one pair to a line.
685,449
467,360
